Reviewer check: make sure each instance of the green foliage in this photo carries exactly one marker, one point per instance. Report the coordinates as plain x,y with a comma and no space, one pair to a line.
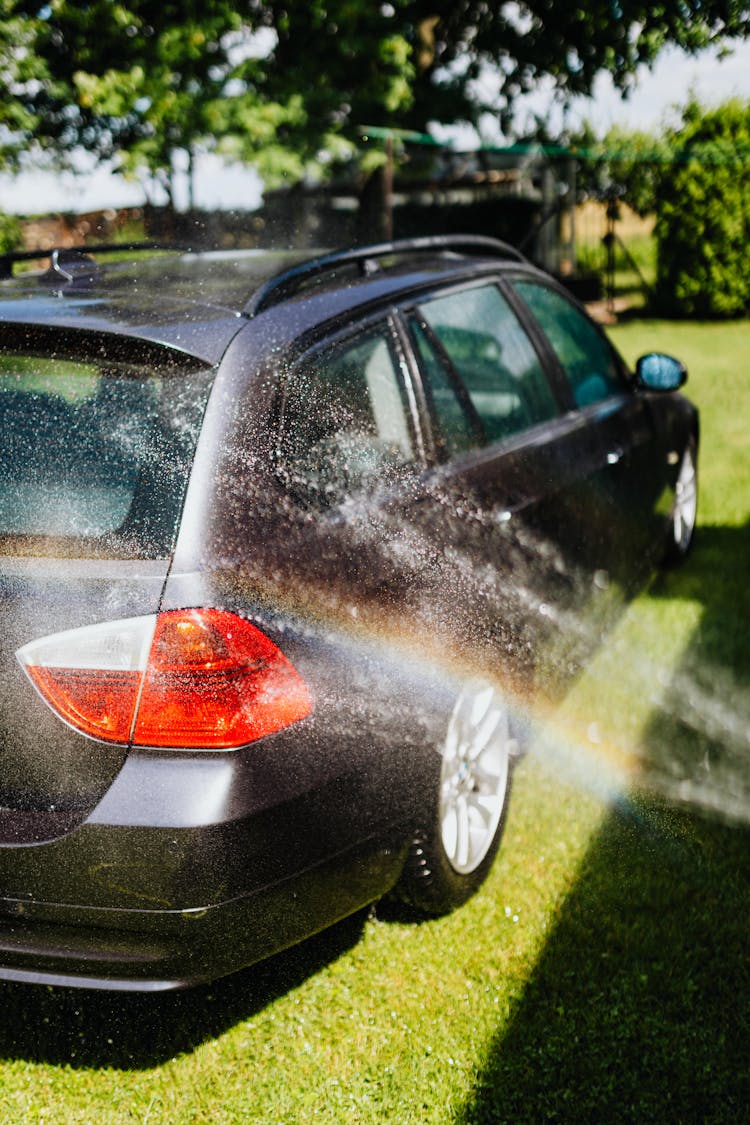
137,80
10,233
288,83
21,70
703,215
571,43
635,160
624,165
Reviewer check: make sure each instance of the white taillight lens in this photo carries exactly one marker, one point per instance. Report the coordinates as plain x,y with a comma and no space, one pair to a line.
199,678
92,676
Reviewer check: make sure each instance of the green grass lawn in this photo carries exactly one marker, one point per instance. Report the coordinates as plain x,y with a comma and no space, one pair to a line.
601,974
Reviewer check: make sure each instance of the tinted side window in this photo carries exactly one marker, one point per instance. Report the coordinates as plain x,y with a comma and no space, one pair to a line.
345,419
495,358
584,354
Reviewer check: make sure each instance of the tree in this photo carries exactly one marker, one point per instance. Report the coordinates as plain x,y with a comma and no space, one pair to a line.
292,82
703,215
457,43
413,62
21,70
625,164
134,80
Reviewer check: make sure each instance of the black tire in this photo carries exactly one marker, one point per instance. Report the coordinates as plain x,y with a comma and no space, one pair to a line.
685,507
450,859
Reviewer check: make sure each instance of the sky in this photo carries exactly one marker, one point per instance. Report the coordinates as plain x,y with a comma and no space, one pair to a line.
661,92
652,103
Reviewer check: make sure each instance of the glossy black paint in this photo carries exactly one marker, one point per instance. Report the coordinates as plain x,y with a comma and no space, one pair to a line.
145,870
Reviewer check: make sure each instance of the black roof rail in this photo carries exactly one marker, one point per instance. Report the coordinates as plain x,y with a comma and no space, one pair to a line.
284,285
60,256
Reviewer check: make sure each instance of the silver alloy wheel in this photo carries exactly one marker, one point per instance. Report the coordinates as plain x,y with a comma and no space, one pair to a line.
474,776
685,502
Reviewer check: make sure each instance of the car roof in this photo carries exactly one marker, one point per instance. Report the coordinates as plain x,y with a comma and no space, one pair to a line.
196,302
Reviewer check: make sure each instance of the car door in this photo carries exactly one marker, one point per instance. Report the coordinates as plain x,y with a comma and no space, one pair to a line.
348,558
630,476
350,455
513,487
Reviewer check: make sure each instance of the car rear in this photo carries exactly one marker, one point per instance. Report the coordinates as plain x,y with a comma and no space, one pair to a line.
181,791
98,438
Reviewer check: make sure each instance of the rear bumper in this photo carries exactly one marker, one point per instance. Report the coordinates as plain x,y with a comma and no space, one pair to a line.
161,950
193,865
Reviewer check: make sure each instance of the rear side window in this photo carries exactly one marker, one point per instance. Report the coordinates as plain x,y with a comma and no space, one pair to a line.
584,354
456,424
97,453
494,358
346,422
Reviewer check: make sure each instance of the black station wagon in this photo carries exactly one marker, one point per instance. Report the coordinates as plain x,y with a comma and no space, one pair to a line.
288,551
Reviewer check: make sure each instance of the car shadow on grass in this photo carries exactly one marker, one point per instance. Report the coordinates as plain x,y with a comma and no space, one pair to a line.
80,1028
637,1009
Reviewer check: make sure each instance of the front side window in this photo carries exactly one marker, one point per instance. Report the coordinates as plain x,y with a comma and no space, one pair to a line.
585,356
96,452
345,419
494,358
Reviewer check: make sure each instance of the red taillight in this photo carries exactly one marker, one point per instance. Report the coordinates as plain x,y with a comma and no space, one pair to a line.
215,680
192,678
98,703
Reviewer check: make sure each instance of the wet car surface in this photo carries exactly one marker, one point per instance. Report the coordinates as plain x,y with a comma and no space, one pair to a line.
285,550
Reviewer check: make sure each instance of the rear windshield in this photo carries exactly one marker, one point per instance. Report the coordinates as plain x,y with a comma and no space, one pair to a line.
95,456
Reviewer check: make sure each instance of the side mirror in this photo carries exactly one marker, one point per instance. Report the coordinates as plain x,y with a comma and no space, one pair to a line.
658,372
